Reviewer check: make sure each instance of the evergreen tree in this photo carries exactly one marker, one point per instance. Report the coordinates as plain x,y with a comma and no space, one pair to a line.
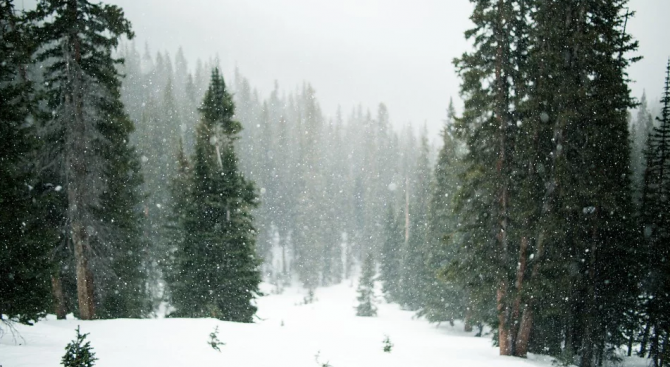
444,299
25,248
124,292
366,288
79,353
655,219
216,268
493,79
577,159
87,133
391,257
414,272
640,130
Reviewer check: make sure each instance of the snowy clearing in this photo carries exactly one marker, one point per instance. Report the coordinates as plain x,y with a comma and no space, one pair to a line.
328,327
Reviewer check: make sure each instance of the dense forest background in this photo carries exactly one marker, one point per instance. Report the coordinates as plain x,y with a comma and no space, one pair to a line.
138,186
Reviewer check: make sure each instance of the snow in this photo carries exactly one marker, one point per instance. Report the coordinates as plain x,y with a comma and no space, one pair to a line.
288,333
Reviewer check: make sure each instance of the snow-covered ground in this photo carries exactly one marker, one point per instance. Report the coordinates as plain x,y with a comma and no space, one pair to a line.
288,334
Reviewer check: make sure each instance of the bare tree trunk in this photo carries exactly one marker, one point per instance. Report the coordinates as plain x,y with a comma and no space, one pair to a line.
644,341
501,235
503,328
78,151
526,323
59,298
516,308
589,342
84,275
631,338
468,321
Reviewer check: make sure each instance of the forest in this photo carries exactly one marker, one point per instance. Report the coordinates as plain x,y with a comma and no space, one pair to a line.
135,185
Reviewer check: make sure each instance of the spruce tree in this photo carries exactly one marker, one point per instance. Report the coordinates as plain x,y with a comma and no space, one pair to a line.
366,288
443,298
641,128
216,269
578,156
391,257
414,272
25,267
493,79
87,132
655,218
79,353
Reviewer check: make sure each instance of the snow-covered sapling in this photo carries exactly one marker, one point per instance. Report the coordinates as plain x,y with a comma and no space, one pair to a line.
366,289
309,298
388,346
214,341
318,362
79,353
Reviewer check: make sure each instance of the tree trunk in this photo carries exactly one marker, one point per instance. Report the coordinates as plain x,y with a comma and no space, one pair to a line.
78,153
644,341
588,341
526,323
59,298
84,275
631,338
467,327
503,327
516,308
501,235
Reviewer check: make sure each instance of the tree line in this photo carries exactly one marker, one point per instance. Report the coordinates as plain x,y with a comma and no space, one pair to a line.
159,217
544,213
77,232
548,214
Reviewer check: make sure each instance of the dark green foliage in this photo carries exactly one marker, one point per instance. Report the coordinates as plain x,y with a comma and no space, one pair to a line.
443,298
388,346
366,288
79,353
492,87
124,293
25,269
545,204
215,269
87,152
655,221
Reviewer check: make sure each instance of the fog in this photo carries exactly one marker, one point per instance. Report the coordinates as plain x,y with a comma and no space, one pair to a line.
252,160
353,51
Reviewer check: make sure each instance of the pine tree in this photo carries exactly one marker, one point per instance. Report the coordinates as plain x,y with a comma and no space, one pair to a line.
87,132
79,353
655,219
578,158
216,269
444,299
25,268
640,130
391,257
493,85
124,287
414,272
366,288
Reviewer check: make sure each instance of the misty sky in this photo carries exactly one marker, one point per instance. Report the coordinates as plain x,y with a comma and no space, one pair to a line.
367,51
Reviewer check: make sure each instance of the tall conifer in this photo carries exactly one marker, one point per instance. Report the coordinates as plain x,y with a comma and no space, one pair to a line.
87,132
215,266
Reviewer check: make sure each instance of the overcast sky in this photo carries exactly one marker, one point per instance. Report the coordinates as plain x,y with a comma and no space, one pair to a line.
398,52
